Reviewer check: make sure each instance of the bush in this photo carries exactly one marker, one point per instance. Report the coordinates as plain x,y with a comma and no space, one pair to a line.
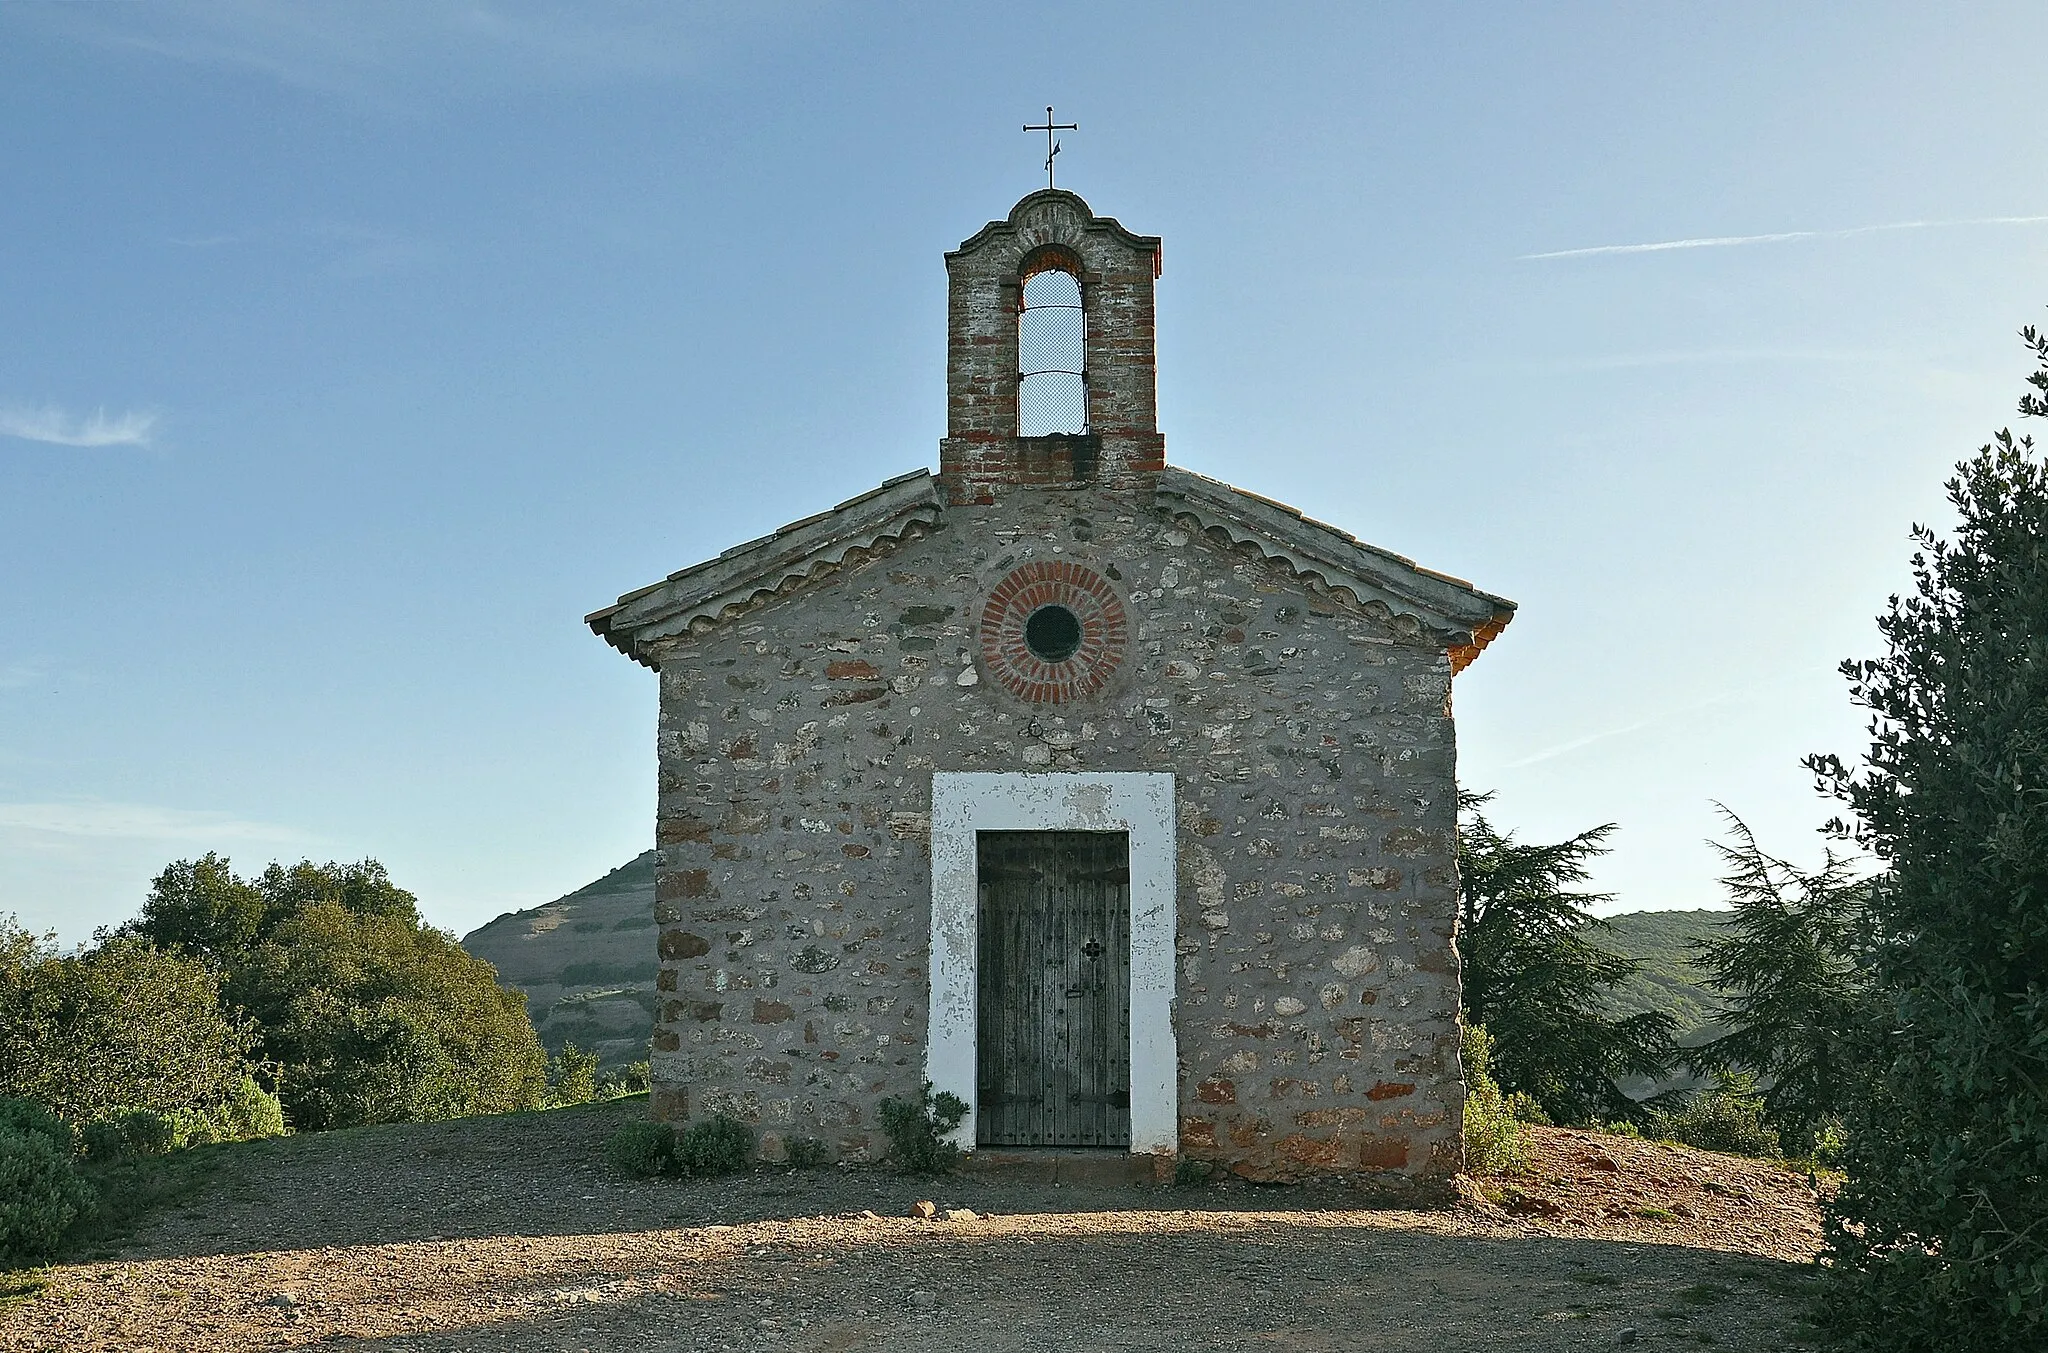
917,1128
643,1149
716,1145
571,1077
193,1128
132,1133
41,1195
1493,1136
123,1025
631,1079
807,1153
31,1119
249,1112
1729,1118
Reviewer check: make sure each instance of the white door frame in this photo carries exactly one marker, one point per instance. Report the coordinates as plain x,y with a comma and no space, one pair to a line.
1139,803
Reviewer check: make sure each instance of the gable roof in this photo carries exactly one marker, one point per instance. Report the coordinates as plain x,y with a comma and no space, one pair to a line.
1393,587
773,563
1451,610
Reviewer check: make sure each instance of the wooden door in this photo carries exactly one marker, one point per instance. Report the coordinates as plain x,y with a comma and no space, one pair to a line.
1054,1004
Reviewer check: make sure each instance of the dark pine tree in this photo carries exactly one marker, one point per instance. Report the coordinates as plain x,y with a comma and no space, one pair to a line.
1791,964
1537,978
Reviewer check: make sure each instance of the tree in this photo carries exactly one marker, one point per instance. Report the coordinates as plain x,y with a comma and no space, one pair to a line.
373,1017
1789,961
203,908
367,1014
120,1025
1939,1237
1536,979
200,907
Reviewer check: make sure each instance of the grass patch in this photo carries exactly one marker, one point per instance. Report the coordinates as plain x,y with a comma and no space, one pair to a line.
21,1287
1704,1294
1656,1214
1593,1277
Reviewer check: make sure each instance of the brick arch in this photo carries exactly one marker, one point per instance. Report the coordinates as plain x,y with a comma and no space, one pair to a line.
1052,258
1105,632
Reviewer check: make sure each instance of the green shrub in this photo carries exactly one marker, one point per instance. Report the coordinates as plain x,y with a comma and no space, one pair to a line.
715,1145
120,1025
631,1079
249,1112
132,1133
194,1128
917,1129
41,1195
1493,1137
32,1119
807,1153
571,1077
643,1149
1729,1118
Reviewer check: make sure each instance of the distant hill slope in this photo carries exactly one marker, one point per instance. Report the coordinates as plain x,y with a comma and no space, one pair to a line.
1670,978
586,962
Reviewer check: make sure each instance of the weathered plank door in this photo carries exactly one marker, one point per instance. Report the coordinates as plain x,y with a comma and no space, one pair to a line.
1054,1004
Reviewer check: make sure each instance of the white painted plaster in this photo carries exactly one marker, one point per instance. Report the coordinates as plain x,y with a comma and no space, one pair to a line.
1139,803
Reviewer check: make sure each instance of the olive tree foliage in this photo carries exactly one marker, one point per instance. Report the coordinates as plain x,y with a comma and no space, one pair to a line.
1791,965
367,1014
1939,1237
1536,976
202,907
120,1025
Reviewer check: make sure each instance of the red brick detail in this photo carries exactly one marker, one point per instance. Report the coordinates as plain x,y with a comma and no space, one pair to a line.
1105,632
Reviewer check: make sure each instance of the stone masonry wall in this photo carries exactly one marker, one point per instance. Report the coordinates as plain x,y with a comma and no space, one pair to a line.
1313,748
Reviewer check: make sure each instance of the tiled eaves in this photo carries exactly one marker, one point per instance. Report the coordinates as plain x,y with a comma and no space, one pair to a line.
1453,611
767,565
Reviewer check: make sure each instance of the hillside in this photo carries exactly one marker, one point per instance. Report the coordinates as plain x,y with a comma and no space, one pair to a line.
1669,978
585,961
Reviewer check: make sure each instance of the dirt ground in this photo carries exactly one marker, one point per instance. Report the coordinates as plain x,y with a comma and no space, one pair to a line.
511,1234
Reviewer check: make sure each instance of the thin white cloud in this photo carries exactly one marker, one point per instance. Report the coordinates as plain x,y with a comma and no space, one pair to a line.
1563,747
98,428
1715,356
1776,237
386,52
16,676
97,818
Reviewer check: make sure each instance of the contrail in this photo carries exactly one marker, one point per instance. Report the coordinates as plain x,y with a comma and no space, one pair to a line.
1723,241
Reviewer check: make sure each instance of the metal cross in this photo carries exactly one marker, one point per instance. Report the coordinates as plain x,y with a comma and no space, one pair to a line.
1052,147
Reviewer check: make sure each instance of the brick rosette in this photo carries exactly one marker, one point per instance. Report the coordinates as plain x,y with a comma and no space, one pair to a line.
1105,632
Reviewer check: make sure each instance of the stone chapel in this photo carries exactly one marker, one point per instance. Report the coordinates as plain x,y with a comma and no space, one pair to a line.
1116,800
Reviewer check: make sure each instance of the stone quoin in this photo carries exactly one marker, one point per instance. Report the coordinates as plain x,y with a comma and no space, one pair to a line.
1115,800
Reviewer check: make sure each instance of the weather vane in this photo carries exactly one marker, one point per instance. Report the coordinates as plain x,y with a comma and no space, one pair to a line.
1052,147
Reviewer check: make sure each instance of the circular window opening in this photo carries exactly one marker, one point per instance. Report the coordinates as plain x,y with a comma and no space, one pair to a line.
1053,633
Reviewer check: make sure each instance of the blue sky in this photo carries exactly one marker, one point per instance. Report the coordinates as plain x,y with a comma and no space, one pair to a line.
349,354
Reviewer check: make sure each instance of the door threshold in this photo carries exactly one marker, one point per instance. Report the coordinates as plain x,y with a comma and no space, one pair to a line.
1069,1164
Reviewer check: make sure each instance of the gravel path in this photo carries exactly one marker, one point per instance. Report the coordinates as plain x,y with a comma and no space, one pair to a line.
509,1234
